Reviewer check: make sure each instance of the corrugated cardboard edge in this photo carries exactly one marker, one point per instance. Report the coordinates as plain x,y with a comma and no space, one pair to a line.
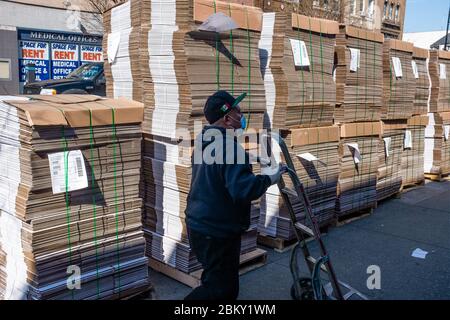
393,125
418,121
361,33
58,110
314,24
444,54
246,17
421,53
361,129
398,45
309,136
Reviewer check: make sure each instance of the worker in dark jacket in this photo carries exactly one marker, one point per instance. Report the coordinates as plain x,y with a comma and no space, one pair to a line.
219,203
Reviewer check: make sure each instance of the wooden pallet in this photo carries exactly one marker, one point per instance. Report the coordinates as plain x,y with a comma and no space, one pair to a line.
437,177
412,186
342,220
283,245
249,261
396,195
278,244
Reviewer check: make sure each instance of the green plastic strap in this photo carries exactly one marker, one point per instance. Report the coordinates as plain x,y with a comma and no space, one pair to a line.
232,53
94,200
302,80
249,77
116,206
312,71
322,72
217,54
67,200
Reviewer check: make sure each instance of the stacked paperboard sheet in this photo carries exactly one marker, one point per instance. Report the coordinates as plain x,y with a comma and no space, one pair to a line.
183,66
121,51
437,144
439,68
69,181
423,83
359,151
180,68
413,151
359,66
390,156
297,57
315,155
398,80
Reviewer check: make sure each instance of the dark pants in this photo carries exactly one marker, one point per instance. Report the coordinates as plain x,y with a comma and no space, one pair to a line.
219,258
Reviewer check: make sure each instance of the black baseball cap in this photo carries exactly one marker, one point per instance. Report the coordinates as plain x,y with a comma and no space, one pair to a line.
220,104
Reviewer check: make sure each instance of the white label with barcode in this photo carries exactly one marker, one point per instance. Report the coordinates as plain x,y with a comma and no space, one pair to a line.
73,177
442,71
355,59
415,69
397,67
300,53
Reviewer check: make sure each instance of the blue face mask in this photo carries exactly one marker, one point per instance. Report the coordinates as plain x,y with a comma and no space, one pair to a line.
243,122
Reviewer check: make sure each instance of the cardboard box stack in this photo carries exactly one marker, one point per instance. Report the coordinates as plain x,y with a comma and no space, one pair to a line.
121,51
398,79
437,144
297,58
436,158
390,157
181,67
358,155
423,83
359,85
70,211
413,152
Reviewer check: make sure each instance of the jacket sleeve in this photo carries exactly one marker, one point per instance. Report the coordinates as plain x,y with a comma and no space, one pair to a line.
242,184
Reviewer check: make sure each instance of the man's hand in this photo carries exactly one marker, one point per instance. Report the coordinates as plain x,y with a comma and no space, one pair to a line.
275,178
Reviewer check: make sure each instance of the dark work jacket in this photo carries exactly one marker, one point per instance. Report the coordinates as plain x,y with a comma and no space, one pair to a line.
219,201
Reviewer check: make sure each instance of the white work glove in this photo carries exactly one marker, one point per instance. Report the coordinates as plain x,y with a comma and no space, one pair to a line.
275,178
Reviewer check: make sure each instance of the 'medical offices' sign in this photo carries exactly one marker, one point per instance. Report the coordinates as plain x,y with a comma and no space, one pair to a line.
56,54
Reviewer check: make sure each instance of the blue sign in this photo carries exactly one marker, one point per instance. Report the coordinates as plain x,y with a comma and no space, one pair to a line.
56,55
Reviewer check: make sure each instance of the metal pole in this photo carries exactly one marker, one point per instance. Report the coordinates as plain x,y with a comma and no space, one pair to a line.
446,34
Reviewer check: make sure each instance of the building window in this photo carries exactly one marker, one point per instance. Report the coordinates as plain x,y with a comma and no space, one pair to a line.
353,7
385,10
5,69
371,8
361,7
397,13
391,11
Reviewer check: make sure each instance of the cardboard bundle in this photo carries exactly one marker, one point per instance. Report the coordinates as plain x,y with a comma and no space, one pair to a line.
121,51
390,157
358,152
422,77
413,152
359,65
439,68
398,79
69,198
183,66
437,144
297,57
315,155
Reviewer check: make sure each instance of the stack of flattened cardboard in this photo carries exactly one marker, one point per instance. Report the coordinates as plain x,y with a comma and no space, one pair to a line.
70,212
422,77
413,151
297,57
181,67
439,68
359,65
359,148
390,155
121,51
437,144
399,80
315,155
